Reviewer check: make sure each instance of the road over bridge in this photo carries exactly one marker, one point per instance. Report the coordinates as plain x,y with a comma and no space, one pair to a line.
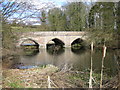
44,37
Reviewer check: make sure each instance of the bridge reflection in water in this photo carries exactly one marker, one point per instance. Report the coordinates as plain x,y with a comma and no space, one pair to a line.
79,60
29,44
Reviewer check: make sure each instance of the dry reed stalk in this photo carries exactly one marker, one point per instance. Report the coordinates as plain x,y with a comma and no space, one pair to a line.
49,83
90,80
66,68
104,53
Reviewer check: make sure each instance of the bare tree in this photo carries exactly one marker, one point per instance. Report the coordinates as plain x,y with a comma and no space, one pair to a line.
21,10
10,8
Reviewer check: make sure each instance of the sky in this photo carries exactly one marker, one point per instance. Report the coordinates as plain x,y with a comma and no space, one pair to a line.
39,4
59,3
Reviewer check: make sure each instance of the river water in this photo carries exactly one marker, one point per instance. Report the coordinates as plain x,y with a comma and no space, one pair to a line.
77,59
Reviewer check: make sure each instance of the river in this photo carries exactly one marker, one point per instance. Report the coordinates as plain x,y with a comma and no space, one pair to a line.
77,59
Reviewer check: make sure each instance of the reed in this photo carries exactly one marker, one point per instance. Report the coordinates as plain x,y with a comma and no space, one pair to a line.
49,82
91,71
103,58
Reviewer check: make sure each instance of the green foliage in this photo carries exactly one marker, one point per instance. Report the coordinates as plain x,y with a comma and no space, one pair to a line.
43,18
101,37
77,46
118,17
7,37
102,16
73,12
15,85
84,77
29,28
102,19
57,20
70,18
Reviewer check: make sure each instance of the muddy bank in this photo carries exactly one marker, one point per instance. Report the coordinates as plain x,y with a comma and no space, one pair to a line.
8,57
8,60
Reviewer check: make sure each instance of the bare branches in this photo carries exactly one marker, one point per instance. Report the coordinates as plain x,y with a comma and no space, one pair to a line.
9,8
21,10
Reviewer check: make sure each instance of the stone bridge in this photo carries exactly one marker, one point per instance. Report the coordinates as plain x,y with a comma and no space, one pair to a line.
44,37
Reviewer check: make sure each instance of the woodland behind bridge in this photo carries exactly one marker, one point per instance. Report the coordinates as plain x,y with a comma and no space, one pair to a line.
100,19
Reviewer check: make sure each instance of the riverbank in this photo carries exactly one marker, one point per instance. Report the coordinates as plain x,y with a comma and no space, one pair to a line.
52,77
35,78
59,78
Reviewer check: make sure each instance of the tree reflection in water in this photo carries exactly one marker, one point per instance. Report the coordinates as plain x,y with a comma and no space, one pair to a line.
78,51
55,49
30,52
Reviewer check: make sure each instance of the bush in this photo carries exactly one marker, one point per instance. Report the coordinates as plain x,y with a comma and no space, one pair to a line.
7,37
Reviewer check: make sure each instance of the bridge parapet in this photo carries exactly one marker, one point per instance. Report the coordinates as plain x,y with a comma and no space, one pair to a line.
56,33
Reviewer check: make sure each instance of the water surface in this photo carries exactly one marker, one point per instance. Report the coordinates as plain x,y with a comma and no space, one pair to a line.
78,59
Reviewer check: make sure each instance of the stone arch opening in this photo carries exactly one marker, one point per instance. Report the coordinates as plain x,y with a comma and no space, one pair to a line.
55,42
58,41
55,45
29,44
77,44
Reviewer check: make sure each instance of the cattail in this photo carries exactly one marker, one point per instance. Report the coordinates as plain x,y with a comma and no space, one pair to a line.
104,53
91,47
90,80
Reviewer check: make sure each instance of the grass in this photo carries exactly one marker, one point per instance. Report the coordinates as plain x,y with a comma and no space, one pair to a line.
12,81
15,85
84,77
27,29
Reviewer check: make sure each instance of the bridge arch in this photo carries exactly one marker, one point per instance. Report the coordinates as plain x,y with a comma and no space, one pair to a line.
75,38
28,41
56,41
77,41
